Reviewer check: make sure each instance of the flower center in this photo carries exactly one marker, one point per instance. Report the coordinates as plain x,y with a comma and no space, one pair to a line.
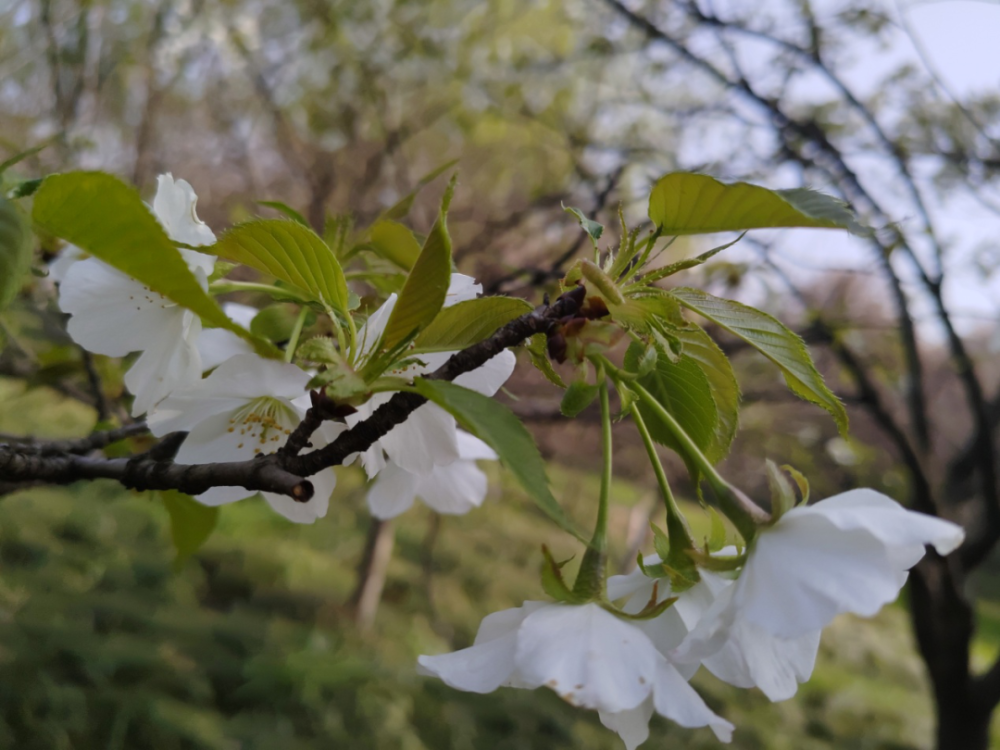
264,422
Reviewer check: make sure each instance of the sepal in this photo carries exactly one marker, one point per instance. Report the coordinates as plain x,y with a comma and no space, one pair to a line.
651,611
782,494
553,583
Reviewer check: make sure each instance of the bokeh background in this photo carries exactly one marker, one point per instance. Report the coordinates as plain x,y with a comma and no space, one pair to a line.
276,636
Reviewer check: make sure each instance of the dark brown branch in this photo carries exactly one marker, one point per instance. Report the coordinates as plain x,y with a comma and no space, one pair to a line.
144,474
92,442
281,472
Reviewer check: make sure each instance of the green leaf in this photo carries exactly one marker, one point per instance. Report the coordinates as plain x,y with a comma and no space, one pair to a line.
822,206
292,253
469,322
683,389
774,341
496,425
644,313
537,348
683,265
191,524
15,251
686,203
700,347
105,217
426,287
591,227
395,243
284,208
577,397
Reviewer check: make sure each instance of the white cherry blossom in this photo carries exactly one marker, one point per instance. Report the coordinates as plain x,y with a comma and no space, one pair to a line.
114,314
848,553
743,655
246,407
590,657
452,490
428,438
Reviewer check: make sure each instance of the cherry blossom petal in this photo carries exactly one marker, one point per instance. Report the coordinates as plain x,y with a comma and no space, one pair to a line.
171,361
461,288
216,345
425,440
471,447
175,206
587,655
112,313
489,662
631,725
886,520
752,657
370,333
392,493
675,699
59,267
323,482
488,378
454,489
231,384
804,571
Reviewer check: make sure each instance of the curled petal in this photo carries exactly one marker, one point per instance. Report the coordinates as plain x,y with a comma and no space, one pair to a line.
886,520
175,206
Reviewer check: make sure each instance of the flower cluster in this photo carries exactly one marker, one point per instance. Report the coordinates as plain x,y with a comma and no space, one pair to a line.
760,628
247,405
626,646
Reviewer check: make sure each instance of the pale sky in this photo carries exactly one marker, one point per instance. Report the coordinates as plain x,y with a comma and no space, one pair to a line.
960,40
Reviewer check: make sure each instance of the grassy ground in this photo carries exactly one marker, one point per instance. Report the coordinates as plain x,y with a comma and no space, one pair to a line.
250,645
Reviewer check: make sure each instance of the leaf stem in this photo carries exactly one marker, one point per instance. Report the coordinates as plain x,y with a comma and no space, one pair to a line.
589,583
739,508
293,340
676,522
599,541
